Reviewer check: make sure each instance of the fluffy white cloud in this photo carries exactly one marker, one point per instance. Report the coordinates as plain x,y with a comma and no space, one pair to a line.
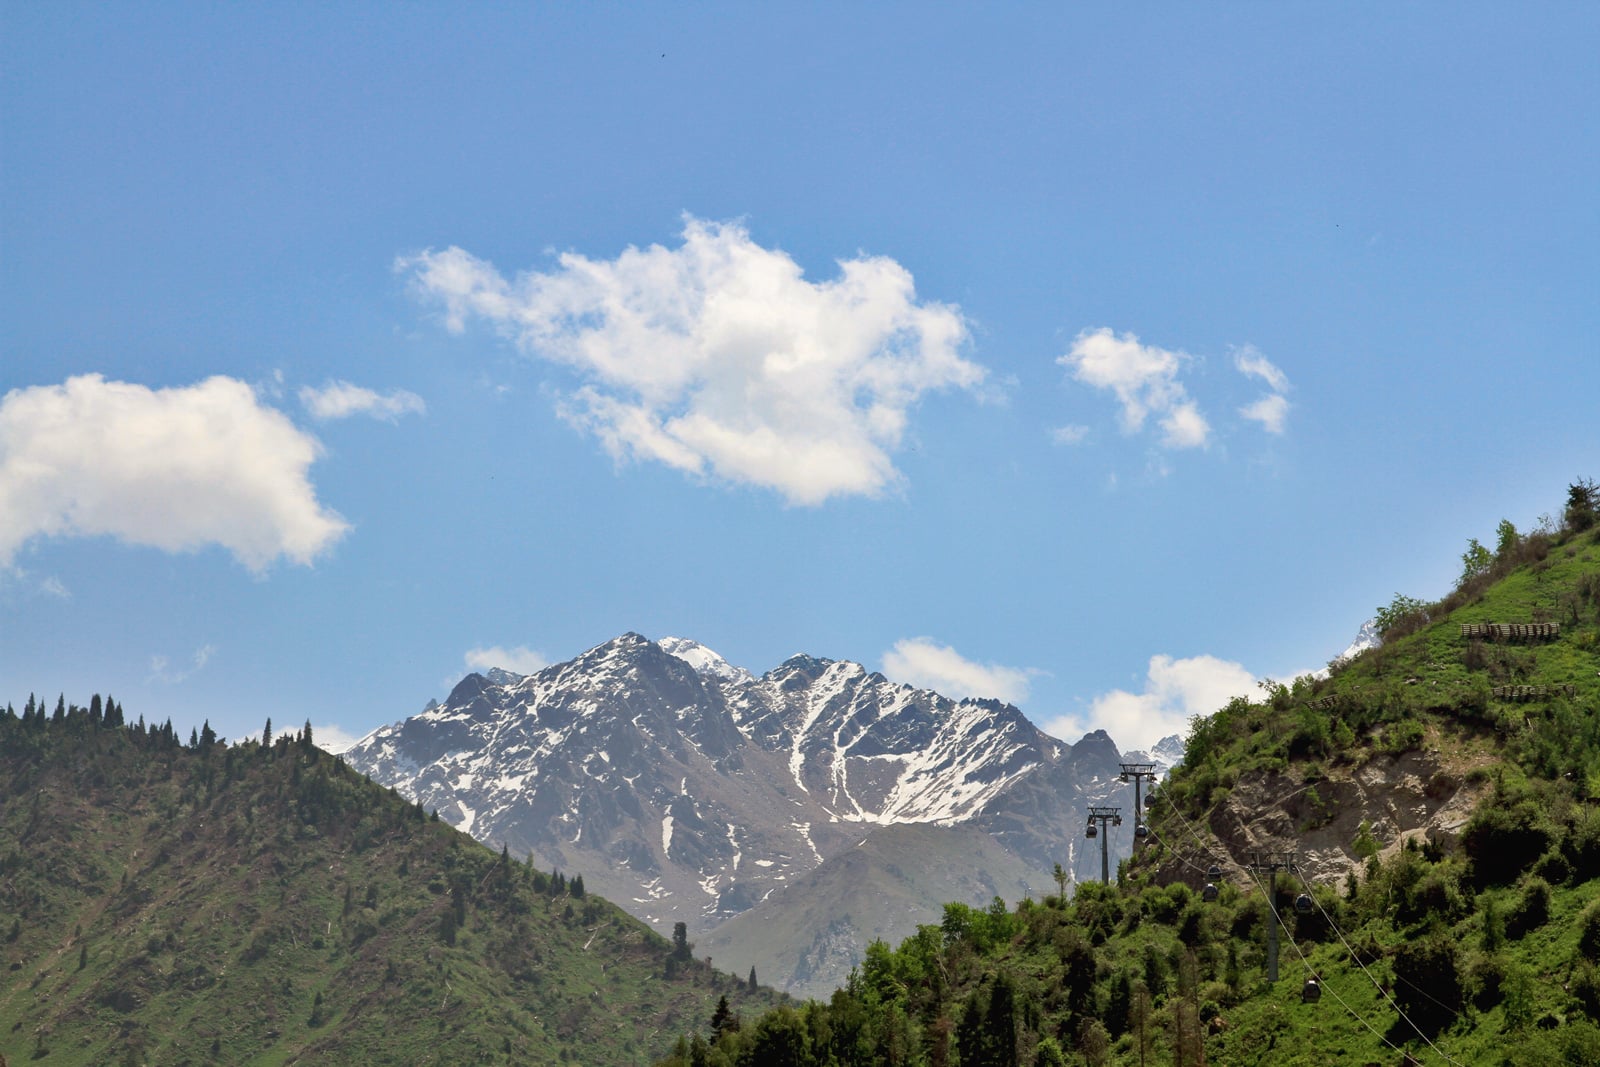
172,468
921,662
1271,411
1185,427
718,358
1174,690
519,660
340,400
1145,381
331,737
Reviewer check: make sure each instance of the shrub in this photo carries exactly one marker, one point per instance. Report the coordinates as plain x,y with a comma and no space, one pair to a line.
1504,837
1532,909
1402,736
1586,988
1428,983
1486,981
1589,932
1403,615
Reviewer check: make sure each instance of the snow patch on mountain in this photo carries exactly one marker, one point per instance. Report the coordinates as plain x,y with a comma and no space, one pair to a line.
704,660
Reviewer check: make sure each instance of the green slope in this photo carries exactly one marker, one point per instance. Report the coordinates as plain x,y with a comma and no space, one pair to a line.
171,904
1477,947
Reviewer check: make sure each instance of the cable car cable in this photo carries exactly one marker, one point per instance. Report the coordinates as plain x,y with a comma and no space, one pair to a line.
1375,983
1323,985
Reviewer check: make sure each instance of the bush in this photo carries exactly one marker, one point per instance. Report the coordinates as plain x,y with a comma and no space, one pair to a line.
1428,983
1486,981
1589,932
1403,615
1402,736
1586,988
1504,837
1532,909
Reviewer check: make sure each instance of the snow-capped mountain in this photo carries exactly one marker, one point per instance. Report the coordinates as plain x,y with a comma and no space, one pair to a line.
1166,754
688,789
1367,637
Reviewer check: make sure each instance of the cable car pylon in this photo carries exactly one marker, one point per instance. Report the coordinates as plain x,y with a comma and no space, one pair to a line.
1106,817
1138,773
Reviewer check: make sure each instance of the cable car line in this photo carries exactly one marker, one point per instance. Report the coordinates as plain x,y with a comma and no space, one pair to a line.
1334,993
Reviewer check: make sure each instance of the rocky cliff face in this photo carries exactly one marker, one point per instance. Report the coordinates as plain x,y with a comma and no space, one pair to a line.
687,789
1421,794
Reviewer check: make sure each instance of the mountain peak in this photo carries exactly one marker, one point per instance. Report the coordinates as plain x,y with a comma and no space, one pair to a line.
703,659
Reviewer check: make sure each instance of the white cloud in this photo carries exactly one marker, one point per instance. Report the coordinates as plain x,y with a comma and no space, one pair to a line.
1253,364
340,400
519,660
15,578
1174,690
1145,381
160,666
1069,435
921,662
171,468
1185,427
1271,411
718,358
331,737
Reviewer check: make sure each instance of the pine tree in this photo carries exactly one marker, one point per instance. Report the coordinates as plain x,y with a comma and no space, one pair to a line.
208,736
266,734
681,946
752,983
577,886
722,1019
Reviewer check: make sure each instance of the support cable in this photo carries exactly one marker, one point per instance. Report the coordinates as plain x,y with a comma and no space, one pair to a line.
1375,983
1311,973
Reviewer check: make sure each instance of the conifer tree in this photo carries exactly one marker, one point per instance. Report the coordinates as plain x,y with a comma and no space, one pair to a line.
752,983
266,734
722,1019
681,946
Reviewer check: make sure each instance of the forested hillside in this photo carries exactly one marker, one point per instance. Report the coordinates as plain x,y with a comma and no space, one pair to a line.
164,902
1422,936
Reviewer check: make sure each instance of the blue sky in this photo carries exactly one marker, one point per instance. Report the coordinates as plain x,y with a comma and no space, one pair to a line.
1105,361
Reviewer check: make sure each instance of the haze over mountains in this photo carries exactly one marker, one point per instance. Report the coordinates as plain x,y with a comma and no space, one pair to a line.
690,790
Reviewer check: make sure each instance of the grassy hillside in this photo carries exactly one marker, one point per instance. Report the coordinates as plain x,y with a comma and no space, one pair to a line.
171,903
1435,934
